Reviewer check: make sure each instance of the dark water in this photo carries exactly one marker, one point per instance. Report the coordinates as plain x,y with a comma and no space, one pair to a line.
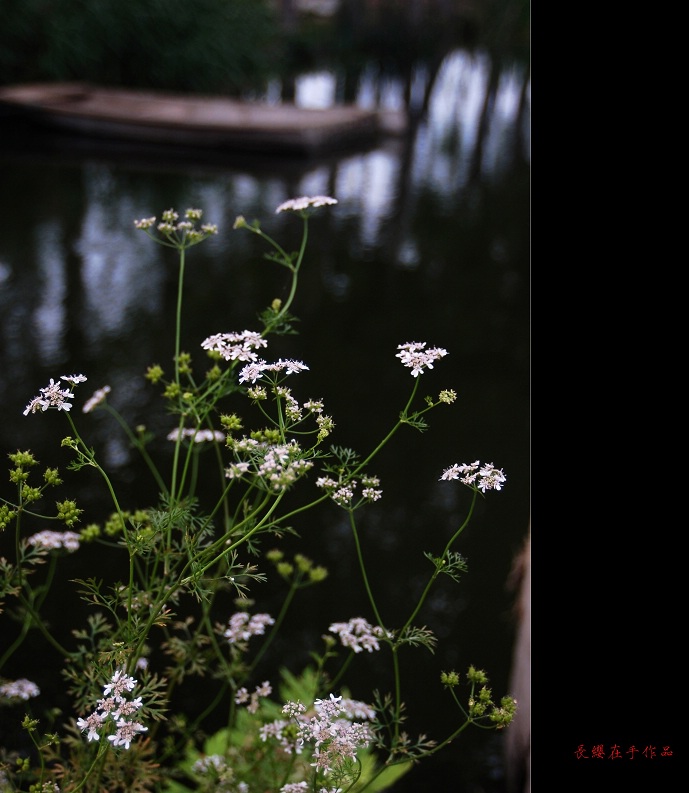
429,242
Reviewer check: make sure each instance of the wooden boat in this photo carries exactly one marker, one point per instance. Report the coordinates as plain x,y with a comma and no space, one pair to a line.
190,120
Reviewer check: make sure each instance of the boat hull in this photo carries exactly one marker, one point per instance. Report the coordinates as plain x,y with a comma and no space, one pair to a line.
196,121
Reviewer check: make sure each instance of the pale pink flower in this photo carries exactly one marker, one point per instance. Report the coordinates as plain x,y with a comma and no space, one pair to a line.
304,202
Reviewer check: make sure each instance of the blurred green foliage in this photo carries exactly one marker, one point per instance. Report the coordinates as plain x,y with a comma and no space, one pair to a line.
234,47
223,46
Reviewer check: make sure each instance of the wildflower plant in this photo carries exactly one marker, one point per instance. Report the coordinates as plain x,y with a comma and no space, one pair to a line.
181,611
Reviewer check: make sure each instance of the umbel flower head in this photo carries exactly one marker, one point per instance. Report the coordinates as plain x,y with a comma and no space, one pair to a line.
235,346
335,739
97,398
304,203
54,396
176,233
483,477
51,540
415,355
116,710
21,689
358,634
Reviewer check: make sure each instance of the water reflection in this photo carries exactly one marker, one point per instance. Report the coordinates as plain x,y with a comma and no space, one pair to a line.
378,193
429,241
51,311
114,262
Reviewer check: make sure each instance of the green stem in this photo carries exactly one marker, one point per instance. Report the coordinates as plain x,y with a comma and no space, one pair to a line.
102,751
362,567
139,446
437,570
297,265
387,438
42,628
178,337
178,314
286,261
89,456
239,542
38,597
276,627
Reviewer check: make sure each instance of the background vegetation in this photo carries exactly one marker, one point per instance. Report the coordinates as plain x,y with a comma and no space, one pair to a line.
234,47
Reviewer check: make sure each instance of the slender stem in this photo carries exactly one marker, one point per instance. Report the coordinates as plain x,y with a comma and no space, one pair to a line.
178,314
102,751
437,571
362,567
276,626
387,438
88,456
178,337
138,445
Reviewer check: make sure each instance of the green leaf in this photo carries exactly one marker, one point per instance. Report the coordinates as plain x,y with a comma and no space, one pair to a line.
385,779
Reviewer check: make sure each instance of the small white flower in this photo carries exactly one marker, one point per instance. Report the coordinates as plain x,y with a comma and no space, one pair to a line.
126,732
52,540
304,202
414,355
491,478
126,708
252,371
242,627
483,477
236,470
92,724
235,346
119,683
52,396
290,366
293,708
359,634
197,435
115,706
96,399
19,689
242,695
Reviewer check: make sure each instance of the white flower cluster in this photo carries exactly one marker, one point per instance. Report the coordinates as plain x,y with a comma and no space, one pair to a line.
355,709
242,626
52,540
255,370
483,477
335,739
115,707
304,202
198,436
278,730
182,232
343,494
97,398
280,466
235,346
19,689
53,396
242,697
359,634
415,355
